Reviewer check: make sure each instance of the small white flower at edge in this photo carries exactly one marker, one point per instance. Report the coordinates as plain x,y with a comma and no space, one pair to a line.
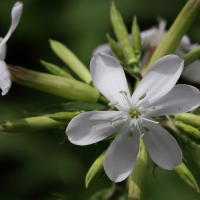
150,39
156,95
5,82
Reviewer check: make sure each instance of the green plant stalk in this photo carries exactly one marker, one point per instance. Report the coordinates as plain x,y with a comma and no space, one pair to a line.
122,34
185,174
59,86
191,56
31,124
180,26
53,69
137,177
71,60
116,49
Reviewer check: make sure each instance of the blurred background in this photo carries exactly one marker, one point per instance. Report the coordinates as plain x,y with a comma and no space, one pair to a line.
35,165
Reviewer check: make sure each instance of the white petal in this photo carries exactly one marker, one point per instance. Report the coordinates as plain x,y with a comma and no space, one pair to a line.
3,51
91,127
15,14
5,81
182,98
161,146
108,76
121,156
104,48
159,79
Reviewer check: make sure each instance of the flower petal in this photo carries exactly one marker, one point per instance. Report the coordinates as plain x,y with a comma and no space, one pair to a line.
108,76
161,146
91,127
121,156
182,98
15,14
5,81
2,51
159,80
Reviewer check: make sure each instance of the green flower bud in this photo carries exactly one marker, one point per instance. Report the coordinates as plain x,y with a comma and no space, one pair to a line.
53,69
137,177
136,38
59,86
63,116
71,60
185,128
186,176
96,170
122,34
191,56
189,118
116,49
178,29
31,124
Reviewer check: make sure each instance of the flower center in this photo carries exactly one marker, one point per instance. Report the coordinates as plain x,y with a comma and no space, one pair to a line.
134,113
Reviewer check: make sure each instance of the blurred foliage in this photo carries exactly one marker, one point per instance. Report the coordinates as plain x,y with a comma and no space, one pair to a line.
34,165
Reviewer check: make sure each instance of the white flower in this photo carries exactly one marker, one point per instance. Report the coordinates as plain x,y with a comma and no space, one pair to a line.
150,39
5,81
156,95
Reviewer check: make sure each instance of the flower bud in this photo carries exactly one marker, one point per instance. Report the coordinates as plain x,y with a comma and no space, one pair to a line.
189,118
53,69
96,170
186,176
63,116
191,56
71,60
137,177
136,38
116,49
60,86
188,130
122,34
31,124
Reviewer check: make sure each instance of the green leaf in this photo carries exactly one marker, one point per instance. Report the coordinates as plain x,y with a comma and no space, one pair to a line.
103,194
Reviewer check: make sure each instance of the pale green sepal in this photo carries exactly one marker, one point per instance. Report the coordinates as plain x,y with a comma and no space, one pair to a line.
56,85
136,38
116,49
137,176
53,69
122,35
63,116
186,176
191,56
31,124
188,118
96,170
178,29
71,60
189,130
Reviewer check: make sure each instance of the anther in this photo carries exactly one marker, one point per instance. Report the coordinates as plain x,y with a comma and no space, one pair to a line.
141,136
146,129
115,124
111,120
143,96
123,92
153,107
131,132
113,103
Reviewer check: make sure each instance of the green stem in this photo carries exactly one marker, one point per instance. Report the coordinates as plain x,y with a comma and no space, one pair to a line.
103,100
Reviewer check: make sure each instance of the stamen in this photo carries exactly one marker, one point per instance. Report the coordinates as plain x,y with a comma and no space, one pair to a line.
155,122
143,96
131,132
139,129
145,128
115,124
124,93
153,107
113,103
141,136
110,120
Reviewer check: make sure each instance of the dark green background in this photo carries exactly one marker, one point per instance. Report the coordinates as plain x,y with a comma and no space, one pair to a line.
34,165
